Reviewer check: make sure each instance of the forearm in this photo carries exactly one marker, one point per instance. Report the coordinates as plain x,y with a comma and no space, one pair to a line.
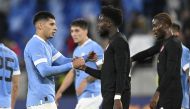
146,53
14,92
46,70
66,82
62,60
93,72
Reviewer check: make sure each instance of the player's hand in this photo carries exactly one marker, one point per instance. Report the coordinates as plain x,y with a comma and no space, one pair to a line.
57,98
92,57
154,100
78,62
118,104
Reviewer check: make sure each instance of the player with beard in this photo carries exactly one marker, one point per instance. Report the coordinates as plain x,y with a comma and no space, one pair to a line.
114,75
169,92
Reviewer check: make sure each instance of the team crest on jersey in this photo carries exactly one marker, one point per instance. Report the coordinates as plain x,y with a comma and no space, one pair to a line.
162,48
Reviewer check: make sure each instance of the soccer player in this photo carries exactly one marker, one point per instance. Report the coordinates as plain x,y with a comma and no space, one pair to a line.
114,74
185,60
9,77
43,61
169,92
88,89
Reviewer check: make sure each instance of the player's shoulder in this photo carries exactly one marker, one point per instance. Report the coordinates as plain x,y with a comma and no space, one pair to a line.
174,43
9,52
174,40
94,43
33,43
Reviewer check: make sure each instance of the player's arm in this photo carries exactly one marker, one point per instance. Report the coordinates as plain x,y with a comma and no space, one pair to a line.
59,59
83,84
15,82
65,84
93,72
46,70
14,92
147,53
173,56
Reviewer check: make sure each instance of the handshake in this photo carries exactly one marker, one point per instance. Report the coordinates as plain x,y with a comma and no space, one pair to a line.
79,62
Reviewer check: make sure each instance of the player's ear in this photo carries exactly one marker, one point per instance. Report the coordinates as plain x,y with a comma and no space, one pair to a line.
86,31
40,25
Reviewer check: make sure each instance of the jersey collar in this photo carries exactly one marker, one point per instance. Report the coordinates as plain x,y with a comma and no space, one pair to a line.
39,38
89,40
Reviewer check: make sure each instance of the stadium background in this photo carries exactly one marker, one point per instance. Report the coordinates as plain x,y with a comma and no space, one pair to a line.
17,28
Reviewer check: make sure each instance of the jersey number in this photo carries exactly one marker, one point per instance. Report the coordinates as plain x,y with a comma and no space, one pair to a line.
6,67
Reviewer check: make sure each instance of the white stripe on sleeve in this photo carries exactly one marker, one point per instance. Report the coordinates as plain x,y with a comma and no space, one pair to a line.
56,56
16,72
40,61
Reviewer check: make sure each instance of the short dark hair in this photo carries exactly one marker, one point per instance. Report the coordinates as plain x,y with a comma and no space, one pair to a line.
42,15
115,14
164,17
176,27
80,23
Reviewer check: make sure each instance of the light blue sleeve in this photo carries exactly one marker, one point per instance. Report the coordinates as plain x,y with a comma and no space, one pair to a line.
58,58
45,69
16,68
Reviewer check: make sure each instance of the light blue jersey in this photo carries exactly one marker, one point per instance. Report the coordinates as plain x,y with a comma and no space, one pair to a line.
43,61
185,60
94,88
9,66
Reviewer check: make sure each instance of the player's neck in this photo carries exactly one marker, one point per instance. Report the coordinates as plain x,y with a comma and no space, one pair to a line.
41,35
113,31
83,41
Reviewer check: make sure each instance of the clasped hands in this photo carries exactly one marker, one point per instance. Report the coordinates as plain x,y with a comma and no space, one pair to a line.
79,62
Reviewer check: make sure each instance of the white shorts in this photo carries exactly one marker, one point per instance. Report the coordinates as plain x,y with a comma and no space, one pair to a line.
89,103
44,106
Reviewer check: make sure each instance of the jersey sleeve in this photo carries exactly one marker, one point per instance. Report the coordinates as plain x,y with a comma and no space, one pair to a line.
38,55
58,58
16,68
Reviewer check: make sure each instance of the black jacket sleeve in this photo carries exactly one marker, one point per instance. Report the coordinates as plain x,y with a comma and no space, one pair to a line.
122,63
173,58
147,53
93,72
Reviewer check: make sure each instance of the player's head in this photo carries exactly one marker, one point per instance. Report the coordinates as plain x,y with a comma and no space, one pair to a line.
161,24
108,18
175,28
79,30
45,24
